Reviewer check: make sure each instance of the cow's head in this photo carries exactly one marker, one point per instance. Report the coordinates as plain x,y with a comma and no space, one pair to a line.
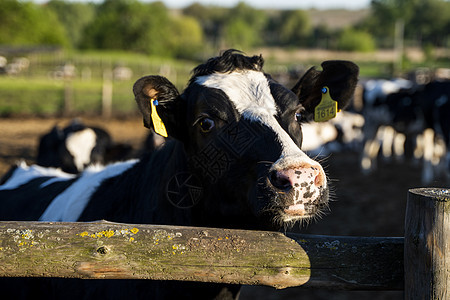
242,134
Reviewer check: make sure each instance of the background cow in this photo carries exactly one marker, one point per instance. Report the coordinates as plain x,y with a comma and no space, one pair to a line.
425,111
343,133
235,138
378,120
77,146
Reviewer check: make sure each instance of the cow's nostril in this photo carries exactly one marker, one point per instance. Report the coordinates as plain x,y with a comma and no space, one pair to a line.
319,180
280,180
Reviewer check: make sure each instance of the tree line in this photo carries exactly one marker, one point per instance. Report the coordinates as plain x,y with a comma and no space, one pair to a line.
154,29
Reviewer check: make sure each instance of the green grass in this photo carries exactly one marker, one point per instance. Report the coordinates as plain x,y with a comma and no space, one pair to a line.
38,96
375,69
35,92
27,96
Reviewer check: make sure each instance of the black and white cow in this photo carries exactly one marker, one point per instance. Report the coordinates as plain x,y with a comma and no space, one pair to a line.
379,120
235,137
428,108
77,146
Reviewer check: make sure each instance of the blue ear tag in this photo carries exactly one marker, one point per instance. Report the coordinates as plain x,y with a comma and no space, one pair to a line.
158,124
327,107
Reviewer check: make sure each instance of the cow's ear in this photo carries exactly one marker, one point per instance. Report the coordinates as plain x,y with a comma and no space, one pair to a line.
340,77
160,104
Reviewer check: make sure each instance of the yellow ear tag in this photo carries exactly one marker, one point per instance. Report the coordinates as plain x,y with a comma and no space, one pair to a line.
327,108
157,122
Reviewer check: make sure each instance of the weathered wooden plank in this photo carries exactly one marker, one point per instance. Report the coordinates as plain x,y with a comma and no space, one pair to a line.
427,244
355,263
112,250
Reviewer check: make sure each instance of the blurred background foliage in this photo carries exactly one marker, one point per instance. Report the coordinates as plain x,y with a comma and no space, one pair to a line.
154,29
70,44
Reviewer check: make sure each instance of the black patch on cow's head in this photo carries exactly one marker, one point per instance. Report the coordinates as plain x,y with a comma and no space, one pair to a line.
339,76
227,62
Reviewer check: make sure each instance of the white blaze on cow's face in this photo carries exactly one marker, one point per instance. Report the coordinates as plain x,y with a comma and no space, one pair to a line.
250,94
80,145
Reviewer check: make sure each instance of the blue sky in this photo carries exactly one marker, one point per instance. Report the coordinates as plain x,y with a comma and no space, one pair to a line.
275,4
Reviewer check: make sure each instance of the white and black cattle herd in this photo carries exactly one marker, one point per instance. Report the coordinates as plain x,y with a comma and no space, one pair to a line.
407,119
235,135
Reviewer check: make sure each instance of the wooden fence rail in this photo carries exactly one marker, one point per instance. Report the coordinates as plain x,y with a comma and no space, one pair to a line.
112,251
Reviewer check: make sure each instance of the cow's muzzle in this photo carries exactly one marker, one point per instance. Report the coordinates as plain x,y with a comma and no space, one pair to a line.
300,186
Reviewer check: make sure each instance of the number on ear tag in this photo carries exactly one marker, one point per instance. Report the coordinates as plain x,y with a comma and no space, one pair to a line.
158,124
327,108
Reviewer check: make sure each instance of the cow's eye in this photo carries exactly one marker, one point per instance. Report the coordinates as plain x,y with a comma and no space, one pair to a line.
206,125
298,117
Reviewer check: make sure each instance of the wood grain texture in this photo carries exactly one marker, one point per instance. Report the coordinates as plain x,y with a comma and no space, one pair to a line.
115,251
427,244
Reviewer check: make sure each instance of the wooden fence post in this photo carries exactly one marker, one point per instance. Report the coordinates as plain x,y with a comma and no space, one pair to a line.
68,97
107,93
427,244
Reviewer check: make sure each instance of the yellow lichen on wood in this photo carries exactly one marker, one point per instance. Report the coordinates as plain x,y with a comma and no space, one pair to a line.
110,233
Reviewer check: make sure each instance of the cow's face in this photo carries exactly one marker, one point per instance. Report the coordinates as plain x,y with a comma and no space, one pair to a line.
242,134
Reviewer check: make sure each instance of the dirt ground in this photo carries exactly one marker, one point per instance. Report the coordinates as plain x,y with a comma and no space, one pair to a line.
363,205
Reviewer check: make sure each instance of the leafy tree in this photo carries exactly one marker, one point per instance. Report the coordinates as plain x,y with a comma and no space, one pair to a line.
150,29
25,23
238,34
240,27
74,16
185,37
430,22
253,17
424,20
244,26
321,37
211,19
129,25
295,27
355,40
